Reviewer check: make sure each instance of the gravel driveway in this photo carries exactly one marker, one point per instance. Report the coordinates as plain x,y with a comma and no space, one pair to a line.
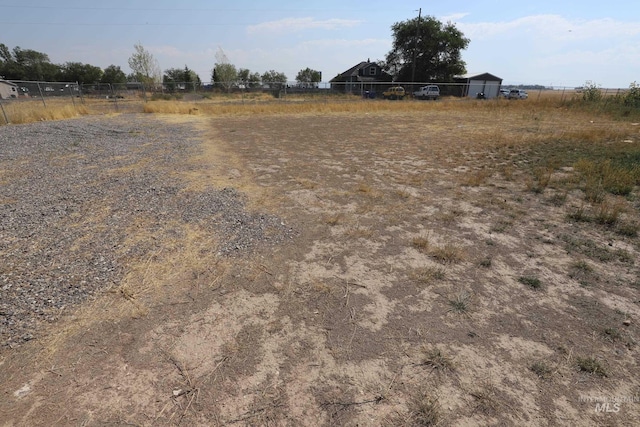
70,193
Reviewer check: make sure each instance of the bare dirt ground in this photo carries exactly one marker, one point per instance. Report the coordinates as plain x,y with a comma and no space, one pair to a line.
359,270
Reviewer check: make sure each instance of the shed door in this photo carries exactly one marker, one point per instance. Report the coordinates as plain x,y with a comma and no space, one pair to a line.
491,89
475,87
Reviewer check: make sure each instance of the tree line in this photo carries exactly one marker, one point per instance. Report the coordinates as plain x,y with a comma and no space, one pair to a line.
31,65
424,49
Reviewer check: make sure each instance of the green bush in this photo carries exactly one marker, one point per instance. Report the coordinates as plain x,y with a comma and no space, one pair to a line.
632,97
591,92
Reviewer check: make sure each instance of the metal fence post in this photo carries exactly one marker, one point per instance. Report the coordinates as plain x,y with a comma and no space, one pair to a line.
73,101
41,95
114,96
4,113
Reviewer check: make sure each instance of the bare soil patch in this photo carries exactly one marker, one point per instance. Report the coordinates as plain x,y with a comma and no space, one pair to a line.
304,270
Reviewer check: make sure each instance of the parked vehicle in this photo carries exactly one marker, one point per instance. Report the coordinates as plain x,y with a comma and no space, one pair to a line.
518,94
504,93
427,92
395,92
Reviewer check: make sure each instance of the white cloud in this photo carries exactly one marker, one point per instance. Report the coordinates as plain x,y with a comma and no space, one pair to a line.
554,49
454,17
552,27
300,24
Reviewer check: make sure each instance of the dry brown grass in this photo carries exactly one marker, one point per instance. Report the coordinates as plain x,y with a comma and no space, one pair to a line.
29,112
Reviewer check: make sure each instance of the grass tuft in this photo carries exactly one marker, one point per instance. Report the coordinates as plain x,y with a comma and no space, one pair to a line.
591,365
449,253
437,361
460,303
427,275
541,369
628,228
530,281
424,410
608,212
421,243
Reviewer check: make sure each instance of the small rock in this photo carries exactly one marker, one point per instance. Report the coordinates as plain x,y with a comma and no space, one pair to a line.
626,322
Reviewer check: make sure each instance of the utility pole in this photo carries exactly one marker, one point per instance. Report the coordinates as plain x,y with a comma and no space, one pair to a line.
415,47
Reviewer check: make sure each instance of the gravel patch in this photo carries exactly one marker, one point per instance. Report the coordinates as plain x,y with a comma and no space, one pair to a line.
71,190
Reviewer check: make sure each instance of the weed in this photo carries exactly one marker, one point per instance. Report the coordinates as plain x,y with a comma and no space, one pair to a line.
359,232
486,262
306,183
333,219
612,334
424,410
501,226
628,228
486,399
607,213
592,250
532,282
542,179
477,178
591,365
541,369
403,194
606,176
460,303
582,266
507,172
421,243
451,216
591,92
558,199
437,361
579,214
448,253
428,275
364,188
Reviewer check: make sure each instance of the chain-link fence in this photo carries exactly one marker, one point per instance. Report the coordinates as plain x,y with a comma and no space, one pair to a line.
131,96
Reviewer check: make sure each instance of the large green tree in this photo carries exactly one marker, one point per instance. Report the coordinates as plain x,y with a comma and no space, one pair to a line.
81,73
424,49
274,79
113,74
26,64
225,75
248,78
308,77
144,66
180,78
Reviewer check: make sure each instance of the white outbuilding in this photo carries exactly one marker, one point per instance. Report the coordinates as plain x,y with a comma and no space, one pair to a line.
8,90
474,84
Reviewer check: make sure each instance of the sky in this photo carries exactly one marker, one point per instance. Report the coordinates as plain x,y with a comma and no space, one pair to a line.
561,43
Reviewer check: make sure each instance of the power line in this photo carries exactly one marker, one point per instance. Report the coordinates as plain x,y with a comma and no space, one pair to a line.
172,9
141,24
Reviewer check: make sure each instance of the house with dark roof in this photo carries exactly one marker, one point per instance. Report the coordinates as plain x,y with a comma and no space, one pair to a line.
365,76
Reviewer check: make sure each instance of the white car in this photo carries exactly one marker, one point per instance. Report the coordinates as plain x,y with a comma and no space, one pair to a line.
518,94
427,92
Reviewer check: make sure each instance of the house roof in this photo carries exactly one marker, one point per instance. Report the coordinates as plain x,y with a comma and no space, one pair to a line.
8,83
479,76
354,71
